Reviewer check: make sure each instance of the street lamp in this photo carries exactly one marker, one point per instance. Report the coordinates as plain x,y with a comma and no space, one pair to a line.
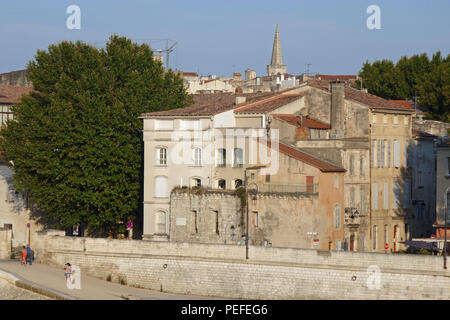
246,201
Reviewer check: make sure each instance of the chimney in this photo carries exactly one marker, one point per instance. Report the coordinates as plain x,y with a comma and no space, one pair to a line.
240,100
337,110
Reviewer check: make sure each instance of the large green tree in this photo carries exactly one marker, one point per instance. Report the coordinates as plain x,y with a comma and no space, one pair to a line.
416,77
75,142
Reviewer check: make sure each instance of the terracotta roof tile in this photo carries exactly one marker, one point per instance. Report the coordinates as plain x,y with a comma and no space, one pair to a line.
370,100
342,77
269,104
210,104
404,103
306,122
12,94
307,158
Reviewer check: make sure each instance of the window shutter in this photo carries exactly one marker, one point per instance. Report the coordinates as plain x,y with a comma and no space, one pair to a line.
386,196
379,154
375,196
396,195
389,153
372,155
361,201
396,153
407,195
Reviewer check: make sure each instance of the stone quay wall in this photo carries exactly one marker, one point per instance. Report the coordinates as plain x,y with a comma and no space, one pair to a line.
220,270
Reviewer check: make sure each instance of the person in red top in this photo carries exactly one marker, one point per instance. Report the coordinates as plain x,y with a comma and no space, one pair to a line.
23,256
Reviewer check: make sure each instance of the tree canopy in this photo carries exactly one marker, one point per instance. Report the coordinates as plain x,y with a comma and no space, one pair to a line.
75,141
417,77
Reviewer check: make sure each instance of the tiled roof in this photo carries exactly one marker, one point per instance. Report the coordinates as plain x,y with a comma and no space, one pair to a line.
269,104
404,103
189,74
306,122
210,104
370,100
342,77
12,94
422,134
307,158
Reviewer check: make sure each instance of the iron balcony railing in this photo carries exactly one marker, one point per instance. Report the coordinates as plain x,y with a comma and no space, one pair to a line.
298,188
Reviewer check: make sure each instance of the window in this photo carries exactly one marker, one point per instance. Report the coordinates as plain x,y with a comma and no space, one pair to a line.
405,121
362,165
221,157
352,197
374,118
385,234
195,220
238,158
221,184
386,196
375,196
160,221
380,154
255,214
388,153
161,156
267,177
396,195
405,153
396,153
336,181
197,156
216,213
352,160
238,183
161,187
385,119
374,237
406,195
196,182
362,200
395,119
337,216
372,154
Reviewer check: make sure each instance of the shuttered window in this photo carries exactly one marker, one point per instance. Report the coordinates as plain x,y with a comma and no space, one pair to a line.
372,155
407,195
375,196
388,153
396,153
396,195
361,200
386,196
379,154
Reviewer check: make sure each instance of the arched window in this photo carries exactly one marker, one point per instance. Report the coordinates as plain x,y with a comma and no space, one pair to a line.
221,184
337,216
161,187
196,182
238,183
160,222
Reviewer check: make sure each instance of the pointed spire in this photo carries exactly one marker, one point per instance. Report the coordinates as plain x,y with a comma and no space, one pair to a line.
277,58
276,63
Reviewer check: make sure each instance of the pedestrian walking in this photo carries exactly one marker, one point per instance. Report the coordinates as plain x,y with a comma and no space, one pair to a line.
23,256
29,259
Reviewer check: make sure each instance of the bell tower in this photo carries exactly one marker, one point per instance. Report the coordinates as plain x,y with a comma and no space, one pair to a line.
276,63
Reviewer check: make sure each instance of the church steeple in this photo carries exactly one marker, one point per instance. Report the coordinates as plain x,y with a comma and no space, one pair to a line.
276,63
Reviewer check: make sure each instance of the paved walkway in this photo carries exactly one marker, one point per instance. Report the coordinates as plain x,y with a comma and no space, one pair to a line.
91,288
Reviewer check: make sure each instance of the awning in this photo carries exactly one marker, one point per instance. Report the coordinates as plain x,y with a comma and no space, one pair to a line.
422,245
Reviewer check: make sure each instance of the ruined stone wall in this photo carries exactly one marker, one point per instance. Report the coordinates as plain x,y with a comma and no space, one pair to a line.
15,78
269,273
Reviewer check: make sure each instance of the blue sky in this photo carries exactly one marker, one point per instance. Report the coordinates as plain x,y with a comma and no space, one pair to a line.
217,37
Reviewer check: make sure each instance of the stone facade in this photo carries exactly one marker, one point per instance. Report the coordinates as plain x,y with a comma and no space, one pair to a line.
222,270
442,190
